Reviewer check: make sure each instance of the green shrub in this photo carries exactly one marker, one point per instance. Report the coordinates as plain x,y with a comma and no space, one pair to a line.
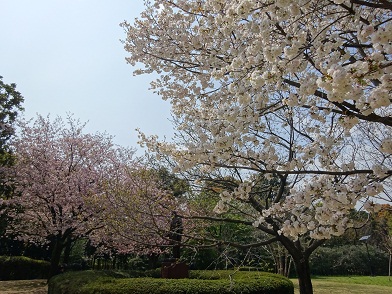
70,282
251,269
137,263
200,282
23,268
348,260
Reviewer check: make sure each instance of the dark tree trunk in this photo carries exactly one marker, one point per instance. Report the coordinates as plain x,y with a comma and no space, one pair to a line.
114,262
300,256
284,263
288,266
55,258
153,261
303,272
67,251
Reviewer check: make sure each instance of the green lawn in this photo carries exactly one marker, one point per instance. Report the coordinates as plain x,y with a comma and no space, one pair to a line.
349,285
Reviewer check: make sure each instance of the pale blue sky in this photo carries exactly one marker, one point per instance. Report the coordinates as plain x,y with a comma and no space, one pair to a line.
66,56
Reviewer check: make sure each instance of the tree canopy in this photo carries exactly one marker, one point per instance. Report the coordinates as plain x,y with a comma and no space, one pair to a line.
10,106
59,173
296,90
71,185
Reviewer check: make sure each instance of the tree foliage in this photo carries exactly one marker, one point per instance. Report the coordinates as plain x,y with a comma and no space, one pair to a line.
59,173
137,211
297,90
10,106
349,260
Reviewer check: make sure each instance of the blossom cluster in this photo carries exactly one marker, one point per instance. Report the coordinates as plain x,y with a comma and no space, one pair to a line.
319,208
296,88
241,192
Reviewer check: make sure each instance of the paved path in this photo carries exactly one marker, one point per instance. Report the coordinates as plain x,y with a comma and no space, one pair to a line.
25,287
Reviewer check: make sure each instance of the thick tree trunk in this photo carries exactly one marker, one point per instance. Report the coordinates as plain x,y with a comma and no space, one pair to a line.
55,258
67,251
303,272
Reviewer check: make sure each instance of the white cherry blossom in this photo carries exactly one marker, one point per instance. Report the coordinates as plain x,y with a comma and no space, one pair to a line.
296,91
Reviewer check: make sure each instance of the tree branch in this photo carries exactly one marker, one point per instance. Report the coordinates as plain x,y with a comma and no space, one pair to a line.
384,4
347,108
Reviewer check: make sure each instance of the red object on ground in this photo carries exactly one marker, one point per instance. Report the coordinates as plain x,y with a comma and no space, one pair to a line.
174,270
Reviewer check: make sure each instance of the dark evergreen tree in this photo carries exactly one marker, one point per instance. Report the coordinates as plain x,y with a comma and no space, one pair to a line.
10,106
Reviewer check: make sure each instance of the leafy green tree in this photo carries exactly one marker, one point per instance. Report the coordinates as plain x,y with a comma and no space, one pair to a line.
348,260
231,241
383,229
170,182
10,106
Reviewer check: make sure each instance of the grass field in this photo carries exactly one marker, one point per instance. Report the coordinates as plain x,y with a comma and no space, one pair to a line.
349,285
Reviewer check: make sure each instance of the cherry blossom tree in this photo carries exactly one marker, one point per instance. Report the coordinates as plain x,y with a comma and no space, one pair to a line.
294,90
59,174
138,210
140,203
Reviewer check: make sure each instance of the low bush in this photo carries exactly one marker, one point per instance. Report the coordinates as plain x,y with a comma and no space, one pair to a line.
70,282
251,269
200,282
23,268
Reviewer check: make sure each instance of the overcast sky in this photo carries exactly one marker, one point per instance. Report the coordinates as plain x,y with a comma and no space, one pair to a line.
66,56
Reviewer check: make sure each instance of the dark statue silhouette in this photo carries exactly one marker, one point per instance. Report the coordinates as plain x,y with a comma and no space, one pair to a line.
173,268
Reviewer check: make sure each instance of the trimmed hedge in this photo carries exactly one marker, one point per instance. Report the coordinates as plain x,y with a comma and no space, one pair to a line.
200,282
23,268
